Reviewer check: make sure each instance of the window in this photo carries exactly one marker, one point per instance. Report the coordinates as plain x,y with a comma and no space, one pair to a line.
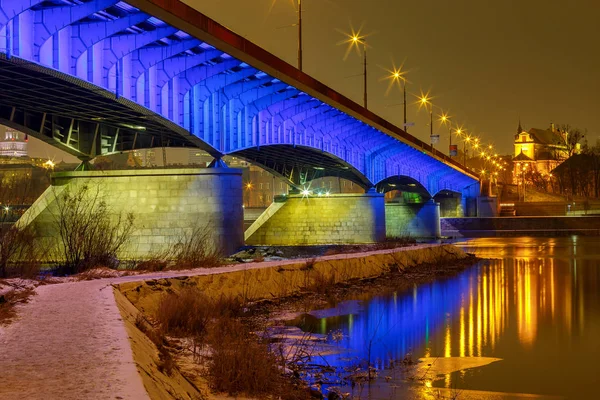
261,185
268,185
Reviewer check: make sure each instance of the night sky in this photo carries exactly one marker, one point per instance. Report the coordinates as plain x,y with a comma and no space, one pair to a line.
488,62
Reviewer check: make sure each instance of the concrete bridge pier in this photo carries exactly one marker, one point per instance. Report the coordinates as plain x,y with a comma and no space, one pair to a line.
419,220
312,220
168,205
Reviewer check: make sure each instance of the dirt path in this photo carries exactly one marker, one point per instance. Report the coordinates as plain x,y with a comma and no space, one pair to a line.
69,341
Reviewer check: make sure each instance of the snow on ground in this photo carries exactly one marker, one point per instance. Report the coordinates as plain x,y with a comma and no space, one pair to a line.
69,341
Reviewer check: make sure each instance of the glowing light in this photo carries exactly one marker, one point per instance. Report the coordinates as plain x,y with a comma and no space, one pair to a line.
249,185
354,40
6,208
424,99
305,192
395,76
444,118
49,164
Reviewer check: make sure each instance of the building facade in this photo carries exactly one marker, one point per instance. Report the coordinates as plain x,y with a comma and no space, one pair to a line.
13,144
540,150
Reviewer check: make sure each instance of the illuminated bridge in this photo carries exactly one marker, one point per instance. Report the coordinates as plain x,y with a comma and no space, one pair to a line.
104,76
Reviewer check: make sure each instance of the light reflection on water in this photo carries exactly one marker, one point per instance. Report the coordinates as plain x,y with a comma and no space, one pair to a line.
534,304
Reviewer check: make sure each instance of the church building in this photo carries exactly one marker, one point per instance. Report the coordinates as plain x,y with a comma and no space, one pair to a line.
541,150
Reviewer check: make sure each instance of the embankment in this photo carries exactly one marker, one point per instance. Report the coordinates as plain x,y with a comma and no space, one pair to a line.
286,280
142,297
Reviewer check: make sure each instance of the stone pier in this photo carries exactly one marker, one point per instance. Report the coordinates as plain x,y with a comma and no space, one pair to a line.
419,220
312,220
167,204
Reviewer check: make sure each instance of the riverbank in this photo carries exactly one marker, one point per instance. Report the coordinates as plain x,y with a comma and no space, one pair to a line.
268,294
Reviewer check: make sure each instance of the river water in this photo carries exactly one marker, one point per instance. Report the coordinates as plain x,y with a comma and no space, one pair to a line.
526,319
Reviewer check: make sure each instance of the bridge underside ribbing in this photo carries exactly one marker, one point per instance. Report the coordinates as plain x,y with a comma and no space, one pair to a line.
101,76
78,117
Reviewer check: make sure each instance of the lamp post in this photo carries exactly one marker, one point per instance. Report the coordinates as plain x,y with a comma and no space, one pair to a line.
365,73
355,40
397,75
425,101
467,140
300,35
358,40
445,119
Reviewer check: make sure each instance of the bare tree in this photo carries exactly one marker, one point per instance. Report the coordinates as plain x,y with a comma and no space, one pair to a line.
574,137
89,232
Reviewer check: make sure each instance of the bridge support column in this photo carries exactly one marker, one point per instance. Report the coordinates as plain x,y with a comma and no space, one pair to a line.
416,220
168,205
311,220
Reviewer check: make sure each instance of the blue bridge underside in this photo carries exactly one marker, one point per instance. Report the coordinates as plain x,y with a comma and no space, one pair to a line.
101,76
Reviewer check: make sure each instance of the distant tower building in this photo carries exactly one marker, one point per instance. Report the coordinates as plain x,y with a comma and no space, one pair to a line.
14,144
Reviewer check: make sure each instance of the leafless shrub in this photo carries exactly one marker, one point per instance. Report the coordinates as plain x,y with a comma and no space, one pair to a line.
19,253
189,312
89,233
196,249
240,363
184,314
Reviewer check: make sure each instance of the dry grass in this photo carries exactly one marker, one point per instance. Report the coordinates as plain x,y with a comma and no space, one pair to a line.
196,250
240,363
189,312
8,302
184,314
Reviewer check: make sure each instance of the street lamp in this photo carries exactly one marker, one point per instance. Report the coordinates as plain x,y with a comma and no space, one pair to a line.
445,119
467,140
356,40
425,101
397,76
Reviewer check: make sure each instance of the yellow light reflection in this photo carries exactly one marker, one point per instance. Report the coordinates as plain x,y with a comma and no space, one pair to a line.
447,341
461,346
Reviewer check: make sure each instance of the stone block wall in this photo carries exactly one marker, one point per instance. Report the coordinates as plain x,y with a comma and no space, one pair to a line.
335,219
167,204
521,226
416,220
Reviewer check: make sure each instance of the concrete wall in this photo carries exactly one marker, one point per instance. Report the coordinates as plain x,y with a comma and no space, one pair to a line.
167,205
487,206
520,226
416,220
335,219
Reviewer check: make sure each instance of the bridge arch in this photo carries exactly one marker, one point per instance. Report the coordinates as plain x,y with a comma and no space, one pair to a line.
298,165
